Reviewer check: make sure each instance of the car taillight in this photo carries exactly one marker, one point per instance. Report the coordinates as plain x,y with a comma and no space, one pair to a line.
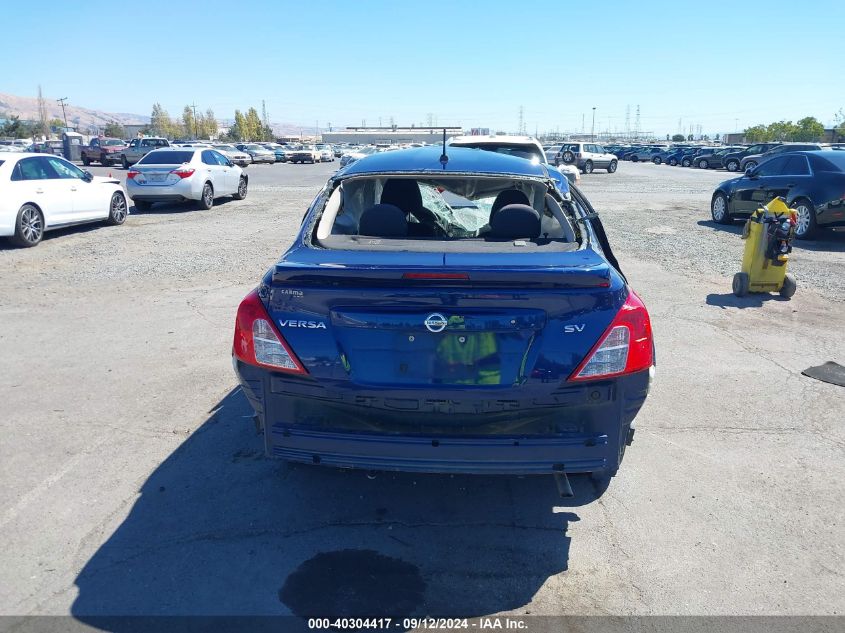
130,175
258,342
183,173
624,348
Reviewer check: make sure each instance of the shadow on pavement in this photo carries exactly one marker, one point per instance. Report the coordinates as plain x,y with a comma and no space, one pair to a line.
751,300
220,529
826,240
169,208
735,228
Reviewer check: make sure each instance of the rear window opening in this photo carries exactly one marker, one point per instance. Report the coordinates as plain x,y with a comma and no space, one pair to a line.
449,214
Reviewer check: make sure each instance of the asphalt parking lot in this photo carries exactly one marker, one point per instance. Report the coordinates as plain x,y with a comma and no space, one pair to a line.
134,481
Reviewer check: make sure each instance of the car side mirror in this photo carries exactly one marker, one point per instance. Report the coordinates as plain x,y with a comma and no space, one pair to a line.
749,173
87,176
230,163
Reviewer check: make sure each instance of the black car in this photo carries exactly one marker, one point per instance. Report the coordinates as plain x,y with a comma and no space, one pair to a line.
732,160
752,160
714,158
693,153
812,183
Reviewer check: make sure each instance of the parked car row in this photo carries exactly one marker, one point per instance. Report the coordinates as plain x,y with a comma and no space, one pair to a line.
732,158
43,192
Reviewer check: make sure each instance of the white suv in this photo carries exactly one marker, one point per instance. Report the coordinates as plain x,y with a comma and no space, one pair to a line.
585,156
522,146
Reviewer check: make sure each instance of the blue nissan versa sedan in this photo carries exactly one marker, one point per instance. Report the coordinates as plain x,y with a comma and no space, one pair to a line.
447,314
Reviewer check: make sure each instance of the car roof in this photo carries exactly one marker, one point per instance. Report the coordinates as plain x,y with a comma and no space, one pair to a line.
425,160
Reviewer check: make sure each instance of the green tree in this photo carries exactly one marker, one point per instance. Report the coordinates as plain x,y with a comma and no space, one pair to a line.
757,134
56,124
189,123
238,130
114,129
717,137
782,130
690,137
809,129
253,125
679,138
16,128
210,124
839,124
161,124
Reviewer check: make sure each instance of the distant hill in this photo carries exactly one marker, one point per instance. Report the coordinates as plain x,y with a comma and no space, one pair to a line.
83,118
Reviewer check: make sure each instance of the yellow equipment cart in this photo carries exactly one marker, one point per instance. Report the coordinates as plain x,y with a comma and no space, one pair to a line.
768,242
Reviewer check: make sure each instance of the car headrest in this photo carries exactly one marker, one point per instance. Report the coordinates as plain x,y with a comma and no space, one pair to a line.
515,221
383,220
403,193
506,197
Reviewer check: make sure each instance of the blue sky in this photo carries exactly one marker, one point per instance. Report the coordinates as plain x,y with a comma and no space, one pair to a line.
716,64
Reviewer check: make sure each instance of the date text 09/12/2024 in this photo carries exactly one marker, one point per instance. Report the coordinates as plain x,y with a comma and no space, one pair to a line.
405,624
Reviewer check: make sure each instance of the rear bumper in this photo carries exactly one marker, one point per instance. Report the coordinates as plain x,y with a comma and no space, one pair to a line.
578,429
482,455
185,189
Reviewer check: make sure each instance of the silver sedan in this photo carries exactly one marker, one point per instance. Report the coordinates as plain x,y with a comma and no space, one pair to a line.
180,174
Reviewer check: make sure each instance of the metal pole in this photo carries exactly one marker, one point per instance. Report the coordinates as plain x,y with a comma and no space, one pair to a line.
593,128
64,115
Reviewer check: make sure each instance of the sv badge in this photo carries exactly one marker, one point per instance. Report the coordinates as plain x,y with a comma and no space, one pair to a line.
572,329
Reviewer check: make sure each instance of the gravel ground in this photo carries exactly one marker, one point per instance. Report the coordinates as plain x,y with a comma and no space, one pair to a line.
662,214
132,480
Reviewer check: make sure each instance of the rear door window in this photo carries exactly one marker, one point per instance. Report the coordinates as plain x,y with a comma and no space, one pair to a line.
796,166
33,169
772,167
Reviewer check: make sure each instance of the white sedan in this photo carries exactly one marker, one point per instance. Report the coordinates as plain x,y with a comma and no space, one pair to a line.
180,174
40,192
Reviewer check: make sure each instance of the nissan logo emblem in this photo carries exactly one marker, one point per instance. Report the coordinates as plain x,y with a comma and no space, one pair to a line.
435,322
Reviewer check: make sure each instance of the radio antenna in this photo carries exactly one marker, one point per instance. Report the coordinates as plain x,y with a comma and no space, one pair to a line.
443,158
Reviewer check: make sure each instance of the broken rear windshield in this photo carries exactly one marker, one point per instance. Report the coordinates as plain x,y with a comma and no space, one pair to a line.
422,213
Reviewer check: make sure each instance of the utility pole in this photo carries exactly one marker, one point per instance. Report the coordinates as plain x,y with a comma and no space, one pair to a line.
64,115
521,120
42,114
628,120
593,127
194,107
582,123
637,124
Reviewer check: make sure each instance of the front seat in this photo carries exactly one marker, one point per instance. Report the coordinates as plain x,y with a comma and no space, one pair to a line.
405,194
383,220
515,222
506,197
